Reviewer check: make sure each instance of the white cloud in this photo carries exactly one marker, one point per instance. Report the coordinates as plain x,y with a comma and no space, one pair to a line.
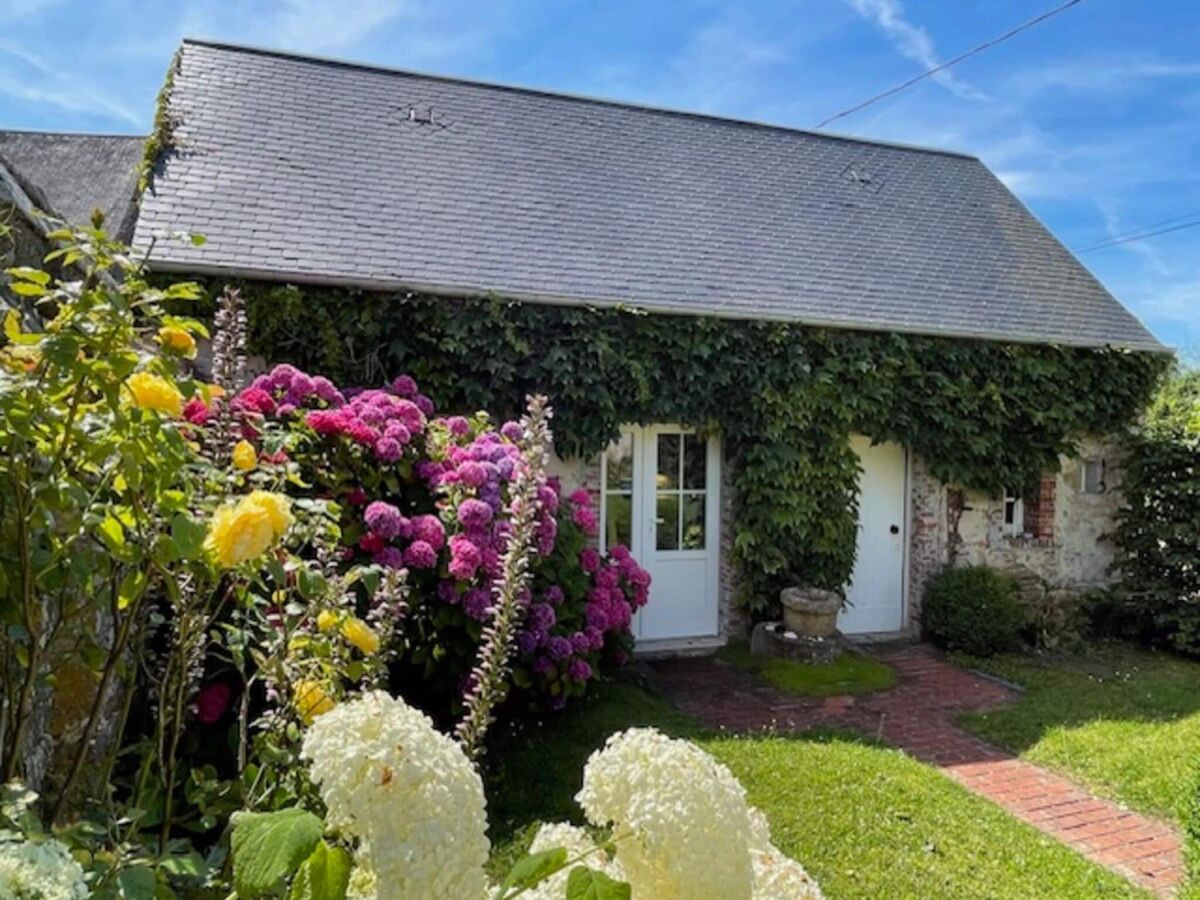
912,41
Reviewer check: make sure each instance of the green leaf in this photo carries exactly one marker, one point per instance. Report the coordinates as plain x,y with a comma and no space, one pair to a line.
269,847
112,532
132,586
137,883
27,289
588,884
27,274
324,875
533,868
188,535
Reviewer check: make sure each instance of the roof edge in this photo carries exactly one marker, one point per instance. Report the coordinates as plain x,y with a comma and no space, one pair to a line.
72,134
577,97
468,292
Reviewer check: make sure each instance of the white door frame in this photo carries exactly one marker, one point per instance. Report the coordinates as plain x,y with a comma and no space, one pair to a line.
643,515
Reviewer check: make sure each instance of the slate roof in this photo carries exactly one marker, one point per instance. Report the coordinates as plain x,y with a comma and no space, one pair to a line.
317,171
69,175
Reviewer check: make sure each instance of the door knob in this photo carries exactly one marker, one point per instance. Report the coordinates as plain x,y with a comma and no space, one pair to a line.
895,529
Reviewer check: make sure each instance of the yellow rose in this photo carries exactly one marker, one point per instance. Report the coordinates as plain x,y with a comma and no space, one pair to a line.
239,532
244,456
153,392
327,620
277,507
177,341
359,633
311,700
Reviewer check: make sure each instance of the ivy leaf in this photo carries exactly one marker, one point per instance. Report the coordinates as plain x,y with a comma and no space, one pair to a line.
588,884
325,875
533,868
268,847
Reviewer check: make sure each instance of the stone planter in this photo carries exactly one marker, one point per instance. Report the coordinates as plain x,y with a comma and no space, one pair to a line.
811,612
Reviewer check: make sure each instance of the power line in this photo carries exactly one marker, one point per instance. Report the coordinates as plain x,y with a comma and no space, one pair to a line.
1136,231
1036,20
1138,237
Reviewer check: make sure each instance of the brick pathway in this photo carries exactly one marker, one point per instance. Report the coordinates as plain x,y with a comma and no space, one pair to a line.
918,717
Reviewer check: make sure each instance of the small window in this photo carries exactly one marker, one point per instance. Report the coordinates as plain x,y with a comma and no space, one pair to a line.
1092,476
1014,512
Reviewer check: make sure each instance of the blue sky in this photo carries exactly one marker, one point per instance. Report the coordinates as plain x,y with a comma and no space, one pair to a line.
1090,117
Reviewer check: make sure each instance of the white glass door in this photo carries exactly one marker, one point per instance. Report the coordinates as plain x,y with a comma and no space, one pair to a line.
661,487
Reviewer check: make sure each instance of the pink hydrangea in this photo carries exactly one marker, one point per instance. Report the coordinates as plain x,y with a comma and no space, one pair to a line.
589,559
465,558
429,529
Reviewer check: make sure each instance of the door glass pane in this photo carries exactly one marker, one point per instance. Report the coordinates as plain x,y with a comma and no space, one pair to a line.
667,523
618,520
693,522
694,462
668,461
619,464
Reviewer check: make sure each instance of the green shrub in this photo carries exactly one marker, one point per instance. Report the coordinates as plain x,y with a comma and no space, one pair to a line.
973,610
1157,556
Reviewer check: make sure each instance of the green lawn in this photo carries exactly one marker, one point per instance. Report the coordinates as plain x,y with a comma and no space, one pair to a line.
850,673
865,820
1122,720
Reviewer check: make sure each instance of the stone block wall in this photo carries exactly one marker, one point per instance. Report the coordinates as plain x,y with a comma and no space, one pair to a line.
1065,536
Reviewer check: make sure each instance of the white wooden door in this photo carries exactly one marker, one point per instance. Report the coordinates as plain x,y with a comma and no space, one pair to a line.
876,593
661,487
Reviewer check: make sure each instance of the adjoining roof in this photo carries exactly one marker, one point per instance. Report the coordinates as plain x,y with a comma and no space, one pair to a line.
69,175
315,171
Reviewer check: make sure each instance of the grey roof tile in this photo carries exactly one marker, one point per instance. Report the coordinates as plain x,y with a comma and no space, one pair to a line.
309,170
76,173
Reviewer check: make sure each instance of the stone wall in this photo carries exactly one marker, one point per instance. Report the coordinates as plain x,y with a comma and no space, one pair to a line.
1064,541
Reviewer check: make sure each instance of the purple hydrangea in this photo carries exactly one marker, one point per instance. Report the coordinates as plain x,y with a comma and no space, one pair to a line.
430,530
543,665
589,559
580,643
477,603
384,519
579,670
472,474
391,557
458,426
512,430
527,642
558,647
554,595
465,558
420,555
404,386
541,616
474,514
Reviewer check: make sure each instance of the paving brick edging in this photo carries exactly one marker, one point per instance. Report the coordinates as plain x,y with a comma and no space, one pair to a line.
918,717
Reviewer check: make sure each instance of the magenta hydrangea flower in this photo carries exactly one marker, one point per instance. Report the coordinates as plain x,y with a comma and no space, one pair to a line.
581,497
474,514
585,517
580,643
385,520
420,555
404,386
388,450
512,430
391,557
448,593
542,617
429,529
458,426
554,595
589,559
472,473
465,558
424,404
579,670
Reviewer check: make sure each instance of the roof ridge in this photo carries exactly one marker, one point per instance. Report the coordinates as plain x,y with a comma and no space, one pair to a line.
80,134
568,95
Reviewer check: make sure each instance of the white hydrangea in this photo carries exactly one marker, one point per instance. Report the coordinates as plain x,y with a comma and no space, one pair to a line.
407,792
682,827
578,843
776,877
42,871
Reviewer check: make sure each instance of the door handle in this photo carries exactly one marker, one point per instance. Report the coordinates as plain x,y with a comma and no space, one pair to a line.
895,529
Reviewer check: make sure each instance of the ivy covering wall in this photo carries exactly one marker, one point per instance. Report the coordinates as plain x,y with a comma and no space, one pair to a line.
785,397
